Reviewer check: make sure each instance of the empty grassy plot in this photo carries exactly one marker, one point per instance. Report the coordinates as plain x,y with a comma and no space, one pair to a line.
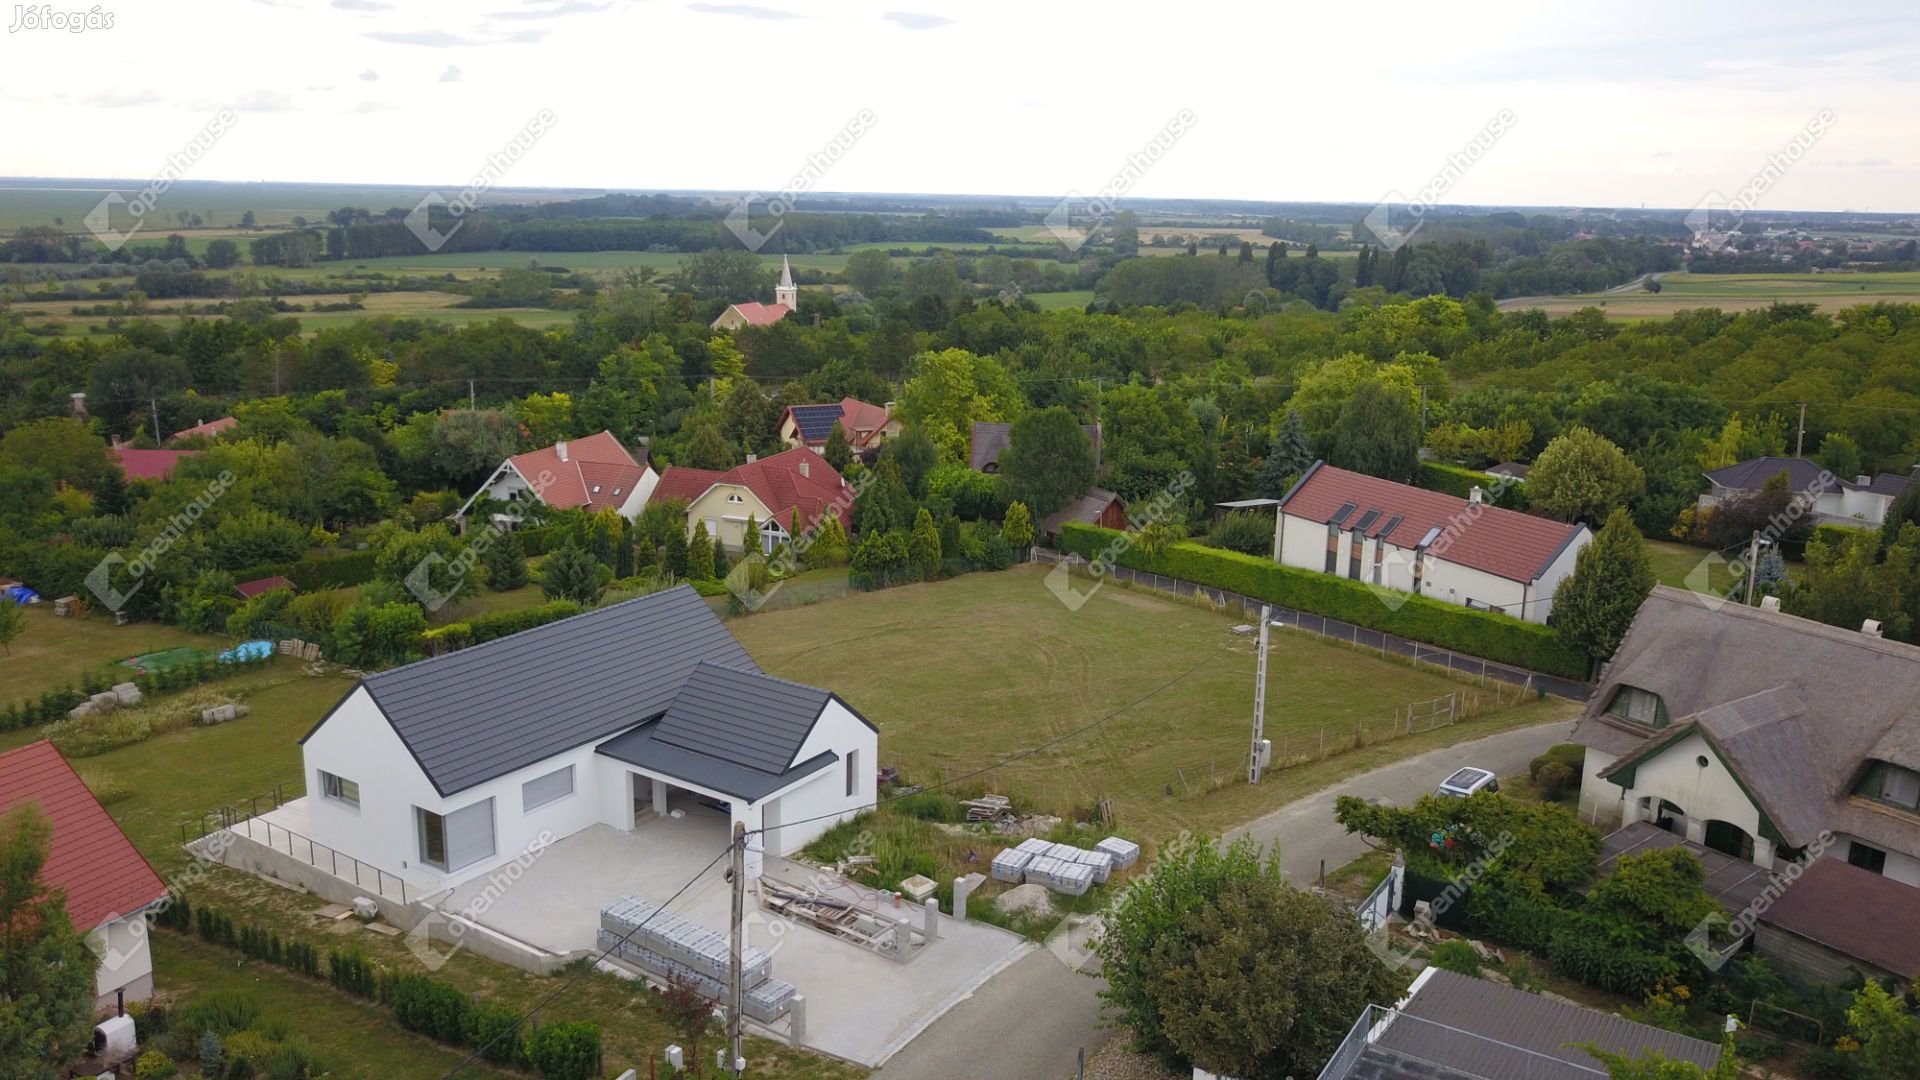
1736,292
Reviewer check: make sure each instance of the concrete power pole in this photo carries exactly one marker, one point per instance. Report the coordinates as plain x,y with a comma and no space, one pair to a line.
1753,564
734,989
155,407
1259,699
1800,441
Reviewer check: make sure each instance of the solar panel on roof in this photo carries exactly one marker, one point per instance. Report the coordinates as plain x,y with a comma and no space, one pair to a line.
1341,515
816,421
1367,519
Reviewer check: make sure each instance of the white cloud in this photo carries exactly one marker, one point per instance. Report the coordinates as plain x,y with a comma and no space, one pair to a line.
452,74
369,75
914,20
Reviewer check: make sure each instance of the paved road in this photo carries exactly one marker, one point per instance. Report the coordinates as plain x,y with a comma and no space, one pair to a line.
1028,1021
1307,833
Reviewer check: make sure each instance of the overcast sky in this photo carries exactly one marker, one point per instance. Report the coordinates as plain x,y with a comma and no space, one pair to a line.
1617,104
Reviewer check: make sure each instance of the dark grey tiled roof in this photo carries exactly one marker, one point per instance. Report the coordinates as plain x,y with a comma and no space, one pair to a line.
1753,474
642,747
750,719
485,711
1499,1033
1735,883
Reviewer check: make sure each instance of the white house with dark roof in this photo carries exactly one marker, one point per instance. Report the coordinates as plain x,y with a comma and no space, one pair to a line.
1400,538
1860,500
444,769
1759,734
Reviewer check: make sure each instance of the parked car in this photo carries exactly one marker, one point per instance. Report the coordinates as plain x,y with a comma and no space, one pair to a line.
1467,781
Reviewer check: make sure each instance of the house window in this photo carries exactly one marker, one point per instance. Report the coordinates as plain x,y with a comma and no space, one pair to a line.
596,489
771,536
735,499
1894,785
1357,556
1379,554
1639,706
451,841
853,773
1866,858
1333,546
542,790
340,789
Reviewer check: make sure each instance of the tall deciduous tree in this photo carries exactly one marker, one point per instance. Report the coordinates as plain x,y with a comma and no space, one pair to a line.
1378,433
46,969
1048,461
1611,576
1581,476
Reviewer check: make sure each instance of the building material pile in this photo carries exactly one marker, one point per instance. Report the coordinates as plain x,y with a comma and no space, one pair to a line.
1064,868
666,946
1125,852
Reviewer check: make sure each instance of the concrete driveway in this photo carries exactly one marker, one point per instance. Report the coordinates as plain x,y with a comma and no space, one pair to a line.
1309,837
860,1006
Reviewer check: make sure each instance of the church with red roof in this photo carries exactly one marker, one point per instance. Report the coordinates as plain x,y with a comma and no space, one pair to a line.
786,301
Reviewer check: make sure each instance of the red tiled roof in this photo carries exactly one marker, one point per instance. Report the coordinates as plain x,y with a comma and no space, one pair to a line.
251,589
595,460
210,429
1505,543
861,421
758,314
1855,912
103,875
149,464
777,481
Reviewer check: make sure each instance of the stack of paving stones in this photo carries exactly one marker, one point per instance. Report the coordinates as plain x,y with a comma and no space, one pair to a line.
669,946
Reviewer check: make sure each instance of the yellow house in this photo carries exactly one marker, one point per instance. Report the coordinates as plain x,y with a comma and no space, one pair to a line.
768,490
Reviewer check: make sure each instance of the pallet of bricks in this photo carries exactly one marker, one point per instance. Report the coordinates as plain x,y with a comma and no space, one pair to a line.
1063,868
666,946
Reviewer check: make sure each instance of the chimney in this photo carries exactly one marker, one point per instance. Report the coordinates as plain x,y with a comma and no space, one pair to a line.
1476,495
79,400
804,468
752,457
1769,603
1871,628
889,408
561,449
1862,481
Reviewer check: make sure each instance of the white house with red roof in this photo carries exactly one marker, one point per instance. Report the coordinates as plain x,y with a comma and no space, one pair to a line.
109,885
768,490
592,474
866,426
1407,539
786,301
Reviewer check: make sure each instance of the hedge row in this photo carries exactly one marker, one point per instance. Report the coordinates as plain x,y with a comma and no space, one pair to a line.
1497,637
482,628
54,704
438,1010
1460,482
316,572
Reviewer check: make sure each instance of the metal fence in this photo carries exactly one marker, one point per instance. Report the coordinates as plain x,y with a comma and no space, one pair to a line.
1383,901
1477,667
245,819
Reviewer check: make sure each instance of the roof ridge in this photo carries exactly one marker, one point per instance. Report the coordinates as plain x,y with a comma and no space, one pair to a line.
1800,624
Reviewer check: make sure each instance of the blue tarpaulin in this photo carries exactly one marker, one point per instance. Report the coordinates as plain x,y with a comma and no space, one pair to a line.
247,650
20,594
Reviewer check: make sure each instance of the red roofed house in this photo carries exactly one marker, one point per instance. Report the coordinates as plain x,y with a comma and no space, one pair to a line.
786,301
209,428
592,474
865,426
149,464
1408,539
250,589
108,884
768,490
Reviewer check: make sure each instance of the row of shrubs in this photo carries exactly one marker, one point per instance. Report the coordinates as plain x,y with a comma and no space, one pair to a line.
498,624
1460,482
313,573
564,1050
55,704
228,1035
1494,636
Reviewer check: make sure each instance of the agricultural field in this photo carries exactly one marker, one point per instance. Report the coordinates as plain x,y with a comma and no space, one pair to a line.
221,204
960,674
1735,292
438,306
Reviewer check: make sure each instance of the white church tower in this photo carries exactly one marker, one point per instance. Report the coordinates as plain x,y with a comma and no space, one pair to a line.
786,292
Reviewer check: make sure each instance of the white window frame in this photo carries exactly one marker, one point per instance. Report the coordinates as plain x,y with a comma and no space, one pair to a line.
335,788
527,807
853,772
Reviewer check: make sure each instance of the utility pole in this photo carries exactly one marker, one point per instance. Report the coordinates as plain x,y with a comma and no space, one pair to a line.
1800,441
1259,698
1753,564
155,406
734,989
470,405
1423,409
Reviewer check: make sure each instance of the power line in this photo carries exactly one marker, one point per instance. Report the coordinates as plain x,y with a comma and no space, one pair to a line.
582,973
1027,753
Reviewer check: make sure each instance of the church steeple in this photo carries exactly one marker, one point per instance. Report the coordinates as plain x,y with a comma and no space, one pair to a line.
786,292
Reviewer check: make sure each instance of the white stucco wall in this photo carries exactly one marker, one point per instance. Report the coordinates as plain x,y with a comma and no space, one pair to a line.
1600,800
1302,543
727,517
126,962
1900,867
824,793
1703,794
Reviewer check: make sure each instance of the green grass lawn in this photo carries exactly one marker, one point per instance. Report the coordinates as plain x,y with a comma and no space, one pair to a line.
1674,563
1050,301
54,651
962,673
1740,292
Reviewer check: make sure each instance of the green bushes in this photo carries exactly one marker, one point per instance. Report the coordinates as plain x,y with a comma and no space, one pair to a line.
1558,770
1496,637
430,1007
565,1051
494,1030
350,970
1455,954
1460,482
498,624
